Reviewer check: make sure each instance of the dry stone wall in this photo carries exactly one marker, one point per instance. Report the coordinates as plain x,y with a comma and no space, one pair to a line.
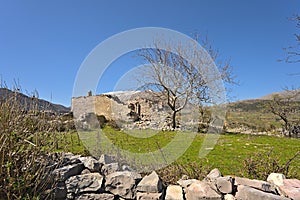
84,178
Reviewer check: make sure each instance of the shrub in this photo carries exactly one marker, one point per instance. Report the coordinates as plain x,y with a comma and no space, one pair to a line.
260,165
172,173
25,141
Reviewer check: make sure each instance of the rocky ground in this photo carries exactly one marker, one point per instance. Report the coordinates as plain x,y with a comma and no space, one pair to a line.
84,178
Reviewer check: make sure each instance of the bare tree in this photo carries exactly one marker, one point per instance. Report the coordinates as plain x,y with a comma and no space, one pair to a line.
183,73
286,107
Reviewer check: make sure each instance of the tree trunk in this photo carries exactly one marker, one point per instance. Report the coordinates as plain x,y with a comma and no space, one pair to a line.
174,120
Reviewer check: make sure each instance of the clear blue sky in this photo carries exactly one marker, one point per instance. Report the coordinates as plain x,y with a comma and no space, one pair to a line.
43,43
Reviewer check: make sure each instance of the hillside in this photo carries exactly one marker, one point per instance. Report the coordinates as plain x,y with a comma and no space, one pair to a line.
294,94
30,103
252,116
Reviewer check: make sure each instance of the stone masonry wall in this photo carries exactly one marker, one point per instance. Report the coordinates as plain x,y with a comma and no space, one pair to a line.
131,109
84,178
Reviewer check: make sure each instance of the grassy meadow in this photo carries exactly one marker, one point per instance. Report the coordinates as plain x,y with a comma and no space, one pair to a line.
233,154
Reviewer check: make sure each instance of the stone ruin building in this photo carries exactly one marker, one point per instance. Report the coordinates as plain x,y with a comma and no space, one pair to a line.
130,109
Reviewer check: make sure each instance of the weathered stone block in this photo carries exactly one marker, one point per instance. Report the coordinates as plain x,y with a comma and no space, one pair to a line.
106,159
151,183
84,183
292,182
290,192
104,196
249,193
67,171
213,174
122,184
276,178
109,168
91,163
174,192
229,197
225,184
258,184
149,196
186,183
201,190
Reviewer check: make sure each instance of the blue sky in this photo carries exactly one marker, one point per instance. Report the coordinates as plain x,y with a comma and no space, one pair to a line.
43,43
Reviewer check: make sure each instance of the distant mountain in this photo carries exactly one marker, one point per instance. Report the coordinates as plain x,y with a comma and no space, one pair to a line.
256,105
294,94
251,105
30,102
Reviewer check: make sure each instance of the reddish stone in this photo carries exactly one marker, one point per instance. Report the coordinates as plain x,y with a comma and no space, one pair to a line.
292,183
290,192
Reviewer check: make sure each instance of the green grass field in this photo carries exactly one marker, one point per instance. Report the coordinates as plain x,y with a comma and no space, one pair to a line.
229,154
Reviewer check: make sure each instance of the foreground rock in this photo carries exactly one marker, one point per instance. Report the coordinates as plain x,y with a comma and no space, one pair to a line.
249,193
84,184
104,196
91,163
276,179
151,183
258,184
291,192
149,196
122,184
67,171
84,178
225,184
174,192
202,190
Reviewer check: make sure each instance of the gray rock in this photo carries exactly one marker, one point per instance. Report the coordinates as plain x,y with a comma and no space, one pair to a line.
85,171
249,193
67,171
229,197
213,174
109,168
106,159
258,184
91,163
201,190
186,183
103,196
174,192
149,196
70,159
122,184
126,168
276,179
151,183
60,191
84,183
225,184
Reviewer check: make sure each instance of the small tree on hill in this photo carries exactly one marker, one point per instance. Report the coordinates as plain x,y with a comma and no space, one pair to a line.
287,109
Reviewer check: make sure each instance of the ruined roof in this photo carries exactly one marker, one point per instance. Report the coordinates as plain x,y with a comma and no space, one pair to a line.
133,95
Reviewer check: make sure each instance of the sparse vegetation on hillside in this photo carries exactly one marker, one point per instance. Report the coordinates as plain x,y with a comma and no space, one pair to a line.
256,116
